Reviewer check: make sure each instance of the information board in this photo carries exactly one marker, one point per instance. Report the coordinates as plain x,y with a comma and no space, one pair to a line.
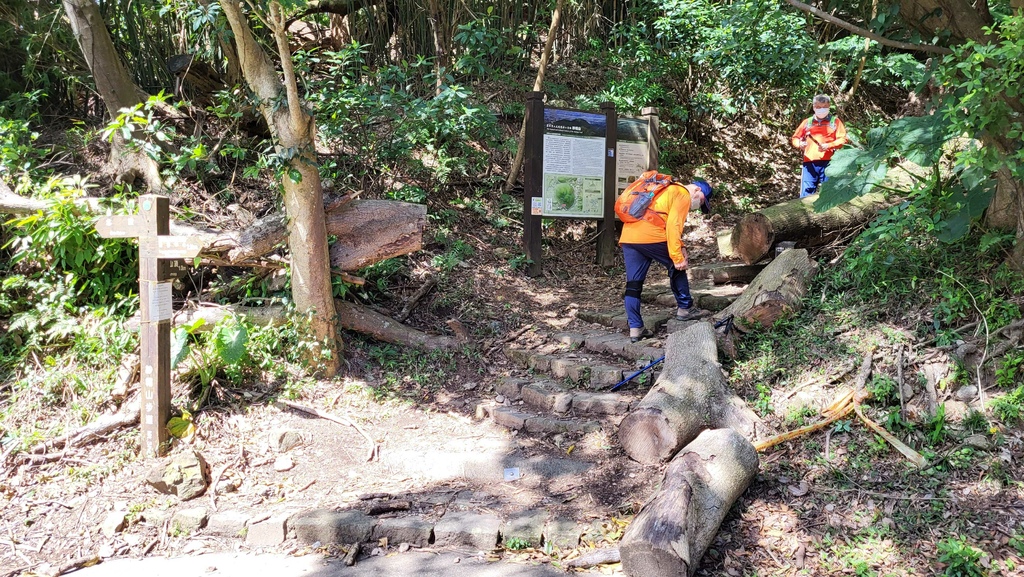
632,151
574,163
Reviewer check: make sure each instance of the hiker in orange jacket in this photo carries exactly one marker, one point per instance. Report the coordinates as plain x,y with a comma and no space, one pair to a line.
819,137
660,238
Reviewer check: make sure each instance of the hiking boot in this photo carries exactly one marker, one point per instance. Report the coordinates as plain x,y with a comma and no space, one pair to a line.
644,334
691,314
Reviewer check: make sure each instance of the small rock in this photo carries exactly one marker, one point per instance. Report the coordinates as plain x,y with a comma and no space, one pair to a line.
227,486
377,552
113,523
457,559
105,551
186,475
469,386
499,399
966,393
978,441
283,440
188,521
283,463
404,547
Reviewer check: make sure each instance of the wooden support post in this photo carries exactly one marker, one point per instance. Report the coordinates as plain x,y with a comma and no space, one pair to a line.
533,182
606,226
159,263
653,154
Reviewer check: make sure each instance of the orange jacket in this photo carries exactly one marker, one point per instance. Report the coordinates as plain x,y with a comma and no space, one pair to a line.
673,204
823,137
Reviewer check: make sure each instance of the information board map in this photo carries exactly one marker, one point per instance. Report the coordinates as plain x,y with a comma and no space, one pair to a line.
574,157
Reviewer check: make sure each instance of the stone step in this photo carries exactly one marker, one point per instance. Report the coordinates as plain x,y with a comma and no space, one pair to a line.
547,396
616,318
520,419
705,295
579,369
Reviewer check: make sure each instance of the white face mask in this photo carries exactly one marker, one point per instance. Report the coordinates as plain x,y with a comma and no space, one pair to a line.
820,113
696,197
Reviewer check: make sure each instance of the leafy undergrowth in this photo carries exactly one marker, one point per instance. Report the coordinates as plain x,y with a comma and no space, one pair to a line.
842,499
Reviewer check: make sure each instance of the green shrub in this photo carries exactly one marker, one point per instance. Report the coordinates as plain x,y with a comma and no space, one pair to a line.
961,559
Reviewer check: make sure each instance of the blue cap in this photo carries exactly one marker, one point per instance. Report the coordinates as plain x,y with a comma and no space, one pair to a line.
705,206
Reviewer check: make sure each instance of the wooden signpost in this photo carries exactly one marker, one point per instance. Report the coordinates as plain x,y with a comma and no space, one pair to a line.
160,263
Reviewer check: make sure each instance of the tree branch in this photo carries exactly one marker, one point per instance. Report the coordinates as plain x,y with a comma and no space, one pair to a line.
277,23
867,33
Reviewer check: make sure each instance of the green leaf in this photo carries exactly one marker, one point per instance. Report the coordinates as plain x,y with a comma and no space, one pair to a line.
919,139
181,427
179,346
231,341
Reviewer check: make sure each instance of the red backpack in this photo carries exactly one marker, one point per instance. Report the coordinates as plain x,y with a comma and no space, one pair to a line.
634,203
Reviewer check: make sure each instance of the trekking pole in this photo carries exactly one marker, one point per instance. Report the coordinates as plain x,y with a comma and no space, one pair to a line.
727,322
637,374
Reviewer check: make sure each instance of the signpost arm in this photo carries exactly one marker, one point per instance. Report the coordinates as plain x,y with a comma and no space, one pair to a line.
651,114
606,226
154,329
533,181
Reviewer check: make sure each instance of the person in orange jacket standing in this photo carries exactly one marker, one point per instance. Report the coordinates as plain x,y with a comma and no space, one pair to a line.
819,137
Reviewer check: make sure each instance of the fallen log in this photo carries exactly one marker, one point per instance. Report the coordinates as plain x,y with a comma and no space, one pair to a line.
689,396
735,273
364,320
106,424
795,220
351,317
674,528
367,231
778,290
595,557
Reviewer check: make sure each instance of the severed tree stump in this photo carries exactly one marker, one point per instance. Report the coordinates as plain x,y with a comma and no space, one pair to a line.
795,220
774,293
674,528
689,396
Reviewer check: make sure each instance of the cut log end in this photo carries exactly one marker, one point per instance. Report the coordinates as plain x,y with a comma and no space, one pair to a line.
643,559
647,436
752,238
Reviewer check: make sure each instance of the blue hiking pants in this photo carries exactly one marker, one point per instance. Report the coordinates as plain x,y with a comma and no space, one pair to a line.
812,176
638,259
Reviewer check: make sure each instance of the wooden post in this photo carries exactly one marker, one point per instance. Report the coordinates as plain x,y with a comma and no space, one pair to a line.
159,264
533,182
651,114
155,329
606,226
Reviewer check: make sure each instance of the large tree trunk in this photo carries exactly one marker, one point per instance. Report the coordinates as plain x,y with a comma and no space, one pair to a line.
116,88
674,528
113,82
438,30
295,134
795,220
777,291
690,395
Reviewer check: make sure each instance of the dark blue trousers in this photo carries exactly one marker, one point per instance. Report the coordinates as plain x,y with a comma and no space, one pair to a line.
638,259
812,176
